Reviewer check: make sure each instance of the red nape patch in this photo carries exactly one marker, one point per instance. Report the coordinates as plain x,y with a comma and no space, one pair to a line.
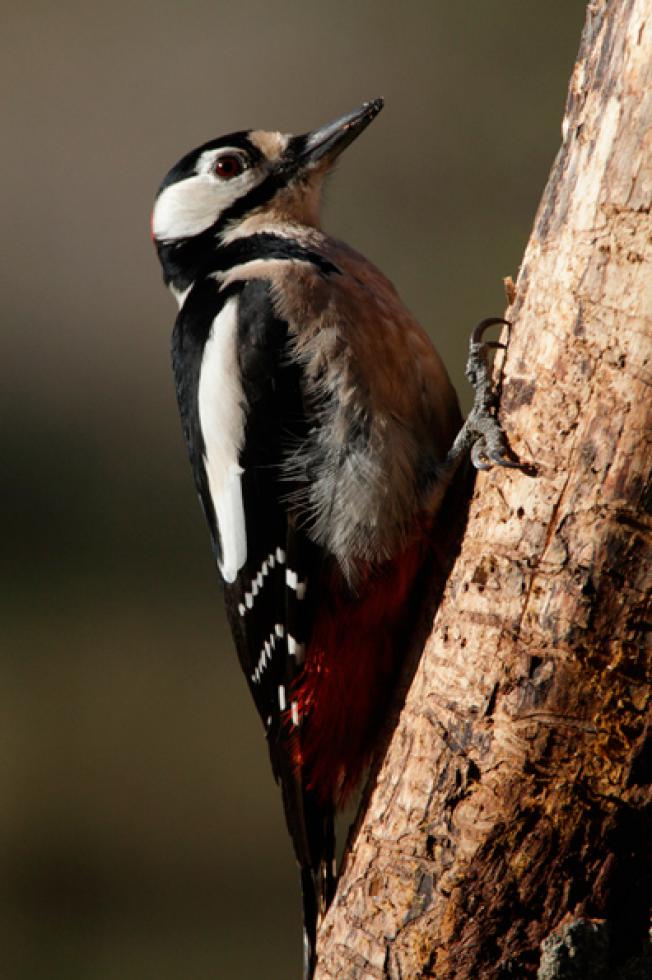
351,662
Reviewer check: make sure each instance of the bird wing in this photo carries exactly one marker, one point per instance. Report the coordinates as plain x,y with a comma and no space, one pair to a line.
268,600
270,566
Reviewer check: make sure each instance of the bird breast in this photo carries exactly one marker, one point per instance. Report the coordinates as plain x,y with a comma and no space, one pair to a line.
382,407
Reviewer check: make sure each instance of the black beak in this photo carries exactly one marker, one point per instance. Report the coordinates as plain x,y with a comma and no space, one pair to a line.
327,142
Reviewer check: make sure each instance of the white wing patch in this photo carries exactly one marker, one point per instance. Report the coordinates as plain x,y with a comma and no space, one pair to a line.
221,417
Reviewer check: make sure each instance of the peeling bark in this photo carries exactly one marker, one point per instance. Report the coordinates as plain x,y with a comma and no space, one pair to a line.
514,801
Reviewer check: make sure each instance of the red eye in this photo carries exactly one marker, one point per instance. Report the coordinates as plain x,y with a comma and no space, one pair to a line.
229,166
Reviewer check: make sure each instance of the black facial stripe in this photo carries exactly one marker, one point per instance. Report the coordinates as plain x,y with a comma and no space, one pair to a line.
257,196
268,246
191,258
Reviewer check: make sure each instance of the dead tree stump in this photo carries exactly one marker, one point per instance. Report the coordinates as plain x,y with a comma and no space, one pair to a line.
510,829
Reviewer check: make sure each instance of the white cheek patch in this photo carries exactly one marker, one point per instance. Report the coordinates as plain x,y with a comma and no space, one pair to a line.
191,206
222,418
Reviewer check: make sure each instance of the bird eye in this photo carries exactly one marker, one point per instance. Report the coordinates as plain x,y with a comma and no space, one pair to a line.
229,166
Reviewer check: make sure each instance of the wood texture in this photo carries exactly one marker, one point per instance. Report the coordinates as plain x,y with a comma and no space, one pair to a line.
515,795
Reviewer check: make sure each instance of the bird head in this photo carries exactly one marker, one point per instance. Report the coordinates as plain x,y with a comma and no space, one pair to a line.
208,195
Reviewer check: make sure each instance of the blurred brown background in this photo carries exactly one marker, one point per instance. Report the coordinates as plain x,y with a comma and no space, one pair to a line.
140,830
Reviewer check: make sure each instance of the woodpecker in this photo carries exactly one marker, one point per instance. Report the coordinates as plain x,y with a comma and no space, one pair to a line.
322,430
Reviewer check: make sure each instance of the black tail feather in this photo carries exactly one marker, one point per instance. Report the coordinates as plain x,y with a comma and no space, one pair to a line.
318,878
309,899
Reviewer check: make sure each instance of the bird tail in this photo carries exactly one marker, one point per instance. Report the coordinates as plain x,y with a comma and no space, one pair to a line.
318,875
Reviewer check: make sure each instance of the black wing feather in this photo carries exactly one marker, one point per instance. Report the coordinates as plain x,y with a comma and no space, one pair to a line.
258,599
270,619
277,420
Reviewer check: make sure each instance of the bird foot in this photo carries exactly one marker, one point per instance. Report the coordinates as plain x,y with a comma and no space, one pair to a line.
482,432
490,446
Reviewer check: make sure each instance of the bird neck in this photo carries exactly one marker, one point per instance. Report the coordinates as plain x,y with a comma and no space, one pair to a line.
187,260
190,260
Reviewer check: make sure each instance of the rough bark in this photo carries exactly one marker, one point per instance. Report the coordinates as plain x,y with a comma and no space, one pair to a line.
509,833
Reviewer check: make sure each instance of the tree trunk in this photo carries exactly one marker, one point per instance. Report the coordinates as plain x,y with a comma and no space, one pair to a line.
509,833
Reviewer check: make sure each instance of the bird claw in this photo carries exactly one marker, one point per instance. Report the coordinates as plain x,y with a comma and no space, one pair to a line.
482,434
490,446
484,458
478,332
479,457
478,365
